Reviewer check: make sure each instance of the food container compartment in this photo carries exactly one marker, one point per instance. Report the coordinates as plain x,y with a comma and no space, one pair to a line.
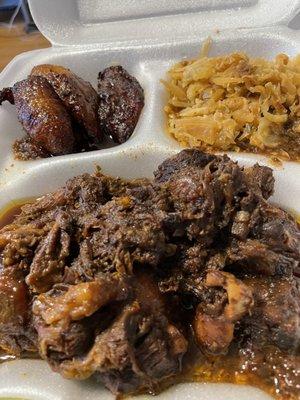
150,143
88,36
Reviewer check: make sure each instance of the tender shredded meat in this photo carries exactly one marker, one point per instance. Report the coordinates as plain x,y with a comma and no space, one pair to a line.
110,276
121,102
50,255
120,238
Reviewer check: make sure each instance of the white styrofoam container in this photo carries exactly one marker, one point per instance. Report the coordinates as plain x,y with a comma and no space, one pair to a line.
146,37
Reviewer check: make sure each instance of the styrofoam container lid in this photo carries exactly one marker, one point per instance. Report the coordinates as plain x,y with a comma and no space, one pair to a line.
75,22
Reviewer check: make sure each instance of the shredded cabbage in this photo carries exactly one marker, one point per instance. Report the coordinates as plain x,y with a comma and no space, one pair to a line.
234,102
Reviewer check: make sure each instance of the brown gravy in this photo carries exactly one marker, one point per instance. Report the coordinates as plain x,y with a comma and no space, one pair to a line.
229,369
12,209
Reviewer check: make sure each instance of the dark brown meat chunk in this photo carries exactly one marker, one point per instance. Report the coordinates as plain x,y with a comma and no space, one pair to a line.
203,190
268,338
154,347
88,237
16,333
275,316
181,161
133,347
48,263
278,230
81,197
260,179
121,103
268,241
66,317
78,96
42,115
253,256
137,351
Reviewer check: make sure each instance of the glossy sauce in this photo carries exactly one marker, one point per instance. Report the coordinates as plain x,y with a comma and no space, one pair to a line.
229,369
12,209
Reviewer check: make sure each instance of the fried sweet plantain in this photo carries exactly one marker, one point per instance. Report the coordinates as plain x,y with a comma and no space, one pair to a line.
121,102
78,96
42,114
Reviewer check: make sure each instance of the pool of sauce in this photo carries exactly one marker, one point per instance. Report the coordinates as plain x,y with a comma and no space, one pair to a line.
222,369
229,369
13,209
